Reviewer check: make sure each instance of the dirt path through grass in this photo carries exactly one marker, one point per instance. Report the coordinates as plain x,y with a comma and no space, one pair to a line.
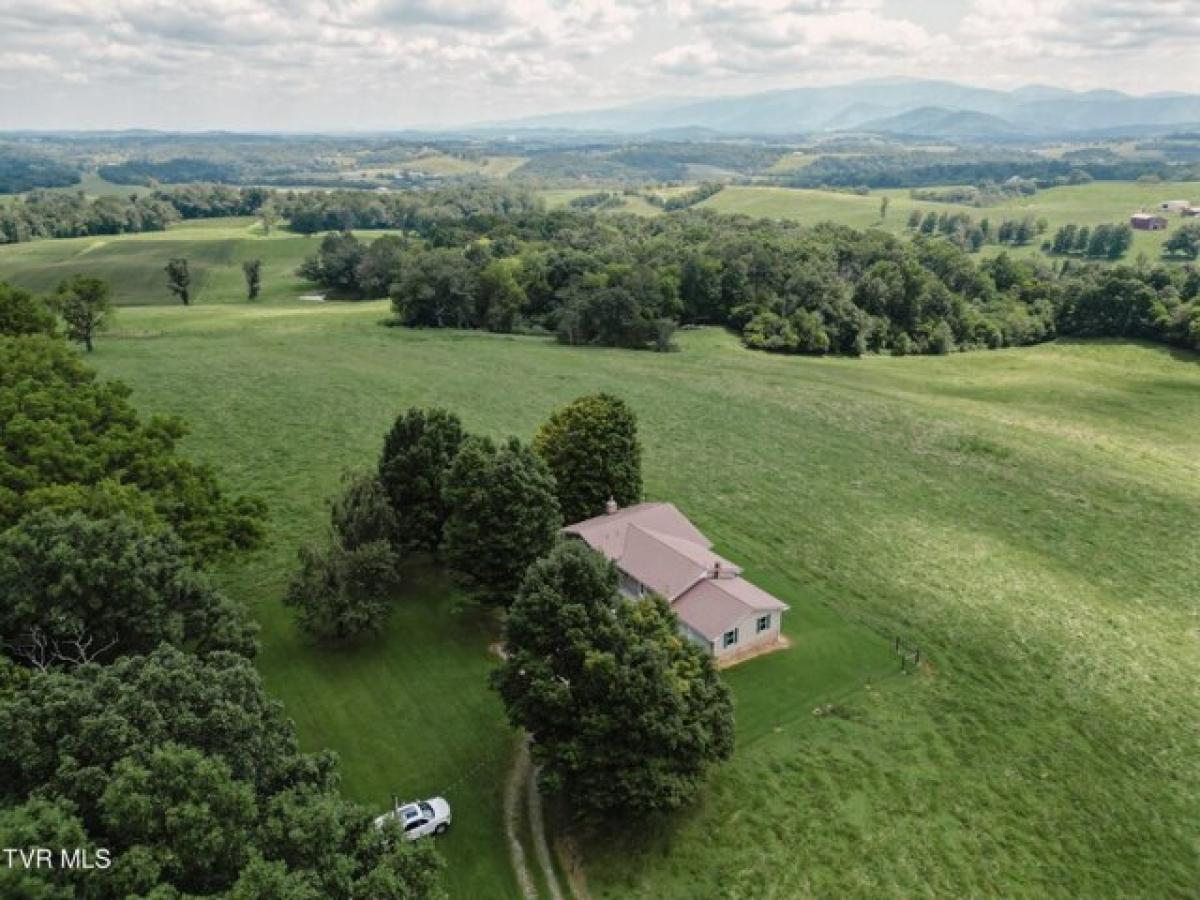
518,777
537,826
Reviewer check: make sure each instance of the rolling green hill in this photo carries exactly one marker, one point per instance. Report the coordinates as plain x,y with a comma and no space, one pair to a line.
133,264
1025,516
1088,204
215,248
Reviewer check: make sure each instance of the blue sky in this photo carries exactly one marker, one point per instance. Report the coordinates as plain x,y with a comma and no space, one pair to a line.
383,64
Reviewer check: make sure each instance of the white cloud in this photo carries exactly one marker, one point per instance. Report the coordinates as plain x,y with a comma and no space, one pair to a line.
774,36
1073,29
70,63
688,59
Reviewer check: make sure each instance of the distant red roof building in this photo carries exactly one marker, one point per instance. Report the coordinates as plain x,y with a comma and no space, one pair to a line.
1147,222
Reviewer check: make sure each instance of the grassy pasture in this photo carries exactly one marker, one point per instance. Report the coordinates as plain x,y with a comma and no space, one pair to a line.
134,264
1025,516
1089,204
445,165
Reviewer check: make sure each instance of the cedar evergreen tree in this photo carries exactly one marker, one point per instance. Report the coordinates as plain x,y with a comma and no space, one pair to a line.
342,593
345,589
503,514
252,270
362,514
591,446
110,583
417,453
188,772
85,306
626,714
179,279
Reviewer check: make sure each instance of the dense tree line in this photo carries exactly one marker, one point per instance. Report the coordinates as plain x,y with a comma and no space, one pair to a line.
927,169
441,215
22,171
60,214
1097,242
987,194
687,198
180,170
597,200
640,164
627,281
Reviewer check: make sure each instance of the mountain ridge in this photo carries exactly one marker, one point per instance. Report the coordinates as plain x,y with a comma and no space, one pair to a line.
968,111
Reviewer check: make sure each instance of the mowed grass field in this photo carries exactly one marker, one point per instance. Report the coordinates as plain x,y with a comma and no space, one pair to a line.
1026,517
1089,204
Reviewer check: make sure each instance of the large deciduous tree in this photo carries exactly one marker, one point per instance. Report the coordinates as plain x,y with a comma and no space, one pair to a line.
335,264
74,442
85,306
106,587
21,313
592,448
503,514
1185,241
437,289
626,715
190,775
416,456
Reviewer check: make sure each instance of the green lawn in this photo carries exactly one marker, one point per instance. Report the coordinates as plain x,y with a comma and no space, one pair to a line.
1027,517
1089,204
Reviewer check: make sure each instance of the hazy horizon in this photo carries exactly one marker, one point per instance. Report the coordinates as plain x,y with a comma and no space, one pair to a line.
391,65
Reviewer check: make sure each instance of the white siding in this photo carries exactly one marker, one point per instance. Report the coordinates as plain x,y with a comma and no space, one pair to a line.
749,636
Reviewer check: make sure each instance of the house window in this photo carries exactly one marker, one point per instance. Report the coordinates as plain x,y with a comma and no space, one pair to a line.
730,638
764,622
631,587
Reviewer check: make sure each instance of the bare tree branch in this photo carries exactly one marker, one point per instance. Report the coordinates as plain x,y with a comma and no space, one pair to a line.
42,651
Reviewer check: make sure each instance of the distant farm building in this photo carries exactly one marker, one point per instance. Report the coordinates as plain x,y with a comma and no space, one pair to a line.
1173,205
1147,222
1190,212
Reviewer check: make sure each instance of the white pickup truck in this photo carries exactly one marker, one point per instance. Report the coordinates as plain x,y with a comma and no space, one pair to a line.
418,819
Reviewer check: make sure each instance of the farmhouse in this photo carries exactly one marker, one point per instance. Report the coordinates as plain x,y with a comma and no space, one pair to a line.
657,550
1147,222
1173,205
